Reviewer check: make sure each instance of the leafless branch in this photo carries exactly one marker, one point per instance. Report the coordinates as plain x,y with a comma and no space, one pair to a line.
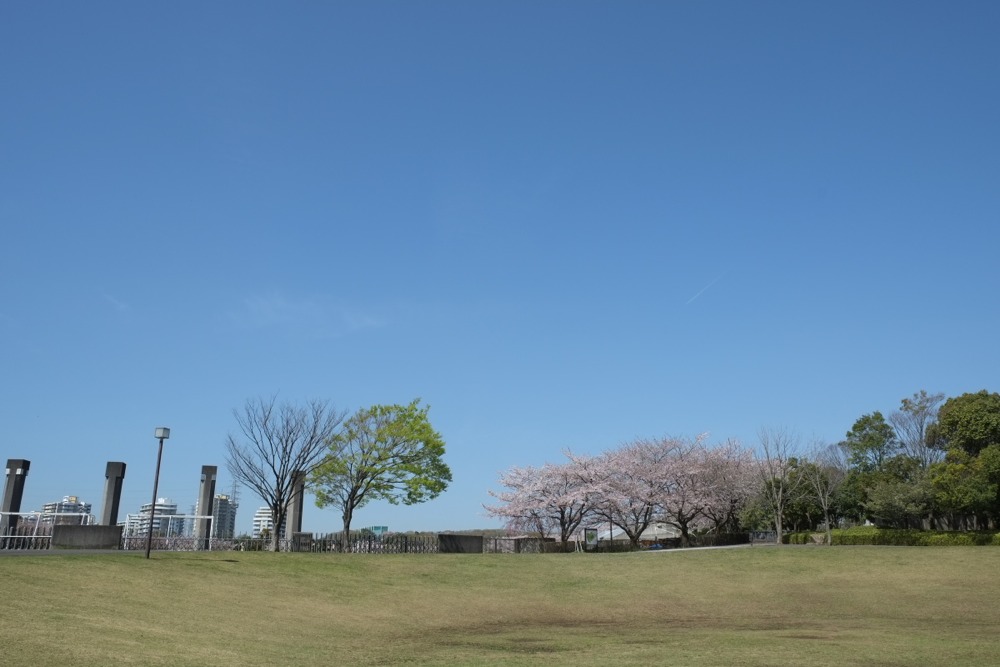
275,442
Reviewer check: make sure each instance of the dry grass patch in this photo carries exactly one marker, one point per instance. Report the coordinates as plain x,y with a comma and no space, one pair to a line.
762,606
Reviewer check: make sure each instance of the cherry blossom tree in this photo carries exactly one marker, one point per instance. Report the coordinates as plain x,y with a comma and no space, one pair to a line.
630,482
678,481
551,499
729,484
685,486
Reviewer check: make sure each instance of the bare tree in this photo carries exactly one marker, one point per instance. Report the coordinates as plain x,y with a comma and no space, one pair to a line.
777,472
276,442
824,475
911,422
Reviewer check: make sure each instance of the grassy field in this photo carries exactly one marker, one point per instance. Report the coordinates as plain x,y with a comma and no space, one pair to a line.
760,606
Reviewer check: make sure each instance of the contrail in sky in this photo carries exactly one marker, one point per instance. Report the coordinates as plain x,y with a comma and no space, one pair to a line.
120,305
705,288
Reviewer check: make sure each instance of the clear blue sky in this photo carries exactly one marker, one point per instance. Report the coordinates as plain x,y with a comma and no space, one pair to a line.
560,224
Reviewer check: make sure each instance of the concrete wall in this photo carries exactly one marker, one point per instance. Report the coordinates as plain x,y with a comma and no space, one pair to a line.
86,537
460,544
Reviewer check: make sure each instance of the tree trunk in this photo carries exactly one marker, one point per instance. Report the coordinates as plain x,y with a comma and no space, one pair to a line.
277,519
345,540
633,537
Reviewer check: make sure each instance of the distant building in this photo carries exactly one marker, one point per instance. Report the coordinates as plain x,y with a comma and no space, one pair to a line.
223,516
77,512
164,523
224,511
262,523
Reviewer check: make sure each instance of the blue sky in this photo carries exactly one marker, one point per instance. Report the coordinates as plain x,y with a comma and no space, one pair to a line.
562,225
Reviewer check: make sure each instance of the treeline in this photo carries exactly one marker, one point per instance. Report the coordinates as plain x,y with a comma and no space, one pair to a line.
932,464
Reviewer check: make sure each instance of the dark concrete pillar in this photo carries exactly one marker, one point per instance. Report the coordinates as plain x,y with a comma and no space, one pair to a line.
206,495
114,475
293,520
13,490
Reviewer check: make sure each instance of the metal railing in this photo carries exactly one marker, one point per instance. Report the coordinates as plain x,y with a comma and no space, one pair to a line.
518,545
369,543
33,530
763,536
34,535
21,542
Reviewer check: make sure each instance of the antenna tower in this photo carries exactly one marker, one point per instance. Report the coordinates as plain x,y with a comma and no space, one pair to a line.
234,495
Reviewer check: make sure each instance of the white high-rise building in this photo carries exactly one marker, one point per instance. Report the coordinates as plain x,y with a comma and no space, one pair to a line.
164,523
78,512
262,522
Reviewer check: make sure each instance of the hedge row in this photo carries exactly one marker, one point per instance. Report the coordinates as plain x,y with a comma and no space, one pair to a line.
899,537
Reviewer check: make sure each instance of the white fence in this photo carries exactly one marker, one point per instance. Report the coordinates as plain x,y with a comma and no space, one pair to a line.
33,530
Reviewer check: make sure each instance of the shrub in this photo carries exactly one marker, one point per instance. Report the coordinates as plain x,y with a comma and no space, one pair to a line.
946,540
870,535
807,537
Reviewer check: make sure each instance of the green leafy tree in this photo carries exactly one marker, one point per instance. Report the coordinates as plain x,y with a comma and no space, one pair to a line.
802,511
970,422
989,459
385,452
961,489
967,487
886,483
850,499
870,442
756,513
899,495
897,504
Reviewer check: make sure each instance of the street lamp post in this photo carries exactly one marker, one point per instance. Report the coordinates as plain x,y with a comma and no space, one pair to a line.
161,433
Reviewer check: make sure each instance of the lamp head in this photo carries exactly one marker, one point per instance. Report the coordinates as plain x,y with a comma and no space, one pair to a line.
162,433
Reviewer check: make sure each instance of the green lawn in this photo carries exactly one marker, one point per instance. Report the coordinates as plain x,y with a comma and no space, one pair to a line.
751,606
